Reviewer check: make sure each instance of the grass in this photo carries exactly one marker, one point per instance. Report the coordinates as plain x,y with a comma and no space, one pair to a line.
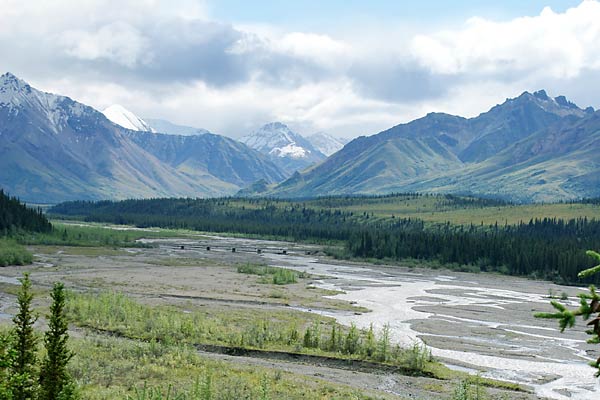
274,275
121,314
116,368
159,349
12,253
437,209
287,331
95,235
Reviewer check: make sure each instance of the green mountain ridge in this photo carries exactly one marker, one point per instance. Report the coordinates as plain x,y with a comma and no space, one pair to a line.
530,148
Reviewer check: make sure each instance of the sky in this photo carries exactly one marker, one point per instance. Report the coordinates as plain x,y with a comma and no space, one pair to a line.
346,67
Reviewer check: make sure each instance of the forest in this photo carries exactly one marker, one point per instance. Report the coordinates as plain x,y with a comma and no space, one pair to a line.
15,216
541,248
552,249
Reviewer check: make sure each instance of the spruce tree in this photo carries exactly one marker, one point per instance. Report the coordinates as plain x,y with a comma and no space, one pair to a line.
55,381
24,385
7,355
589,308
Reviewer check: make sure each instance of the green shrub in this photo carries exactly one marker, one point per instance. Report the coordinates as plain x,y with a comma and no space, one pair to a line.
115,312
12,253
274,275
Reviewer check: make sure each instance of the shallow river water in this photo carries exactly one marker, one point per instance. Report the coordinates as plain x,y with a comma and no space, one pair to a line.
481,323
476,322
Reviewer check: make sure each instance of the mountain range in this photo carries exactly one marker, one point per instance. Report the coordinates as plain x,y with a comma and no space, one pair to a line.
287,149
530,148
54,149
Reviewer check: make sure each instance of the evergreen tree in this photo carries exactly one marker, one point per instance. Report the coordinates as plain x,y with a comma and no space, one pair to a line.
16,216
24,385
351,344
7,355
55,381
589,308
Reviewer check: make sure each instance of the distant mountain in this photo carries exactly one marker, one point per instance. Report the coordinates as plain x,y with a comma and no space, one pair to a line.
197,155
557,163
125,118
54,149
286,148
163,126
326,143
511,151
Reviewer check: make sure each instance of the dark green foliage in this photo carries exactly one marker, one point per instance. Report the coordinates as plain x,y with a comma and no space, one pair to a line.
351,344
311,219
55,382
12,253
24,369
274,275
591,271
15,216
7,356
589,307
547,248
550,248
20,376
214,215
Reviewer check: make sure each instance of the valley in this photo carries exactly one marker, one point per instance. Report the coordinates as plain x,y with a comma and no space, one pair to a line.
328,200
205,284
437,307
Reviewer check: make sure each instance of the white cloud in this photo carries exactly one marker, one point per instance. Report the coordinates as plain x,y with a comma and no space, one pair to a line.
551,45
170,60
320,48
117,42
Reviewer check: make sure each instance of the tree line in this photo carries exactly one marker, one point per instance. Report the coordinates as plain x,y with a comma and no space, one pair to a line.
547,248
270,218
15,216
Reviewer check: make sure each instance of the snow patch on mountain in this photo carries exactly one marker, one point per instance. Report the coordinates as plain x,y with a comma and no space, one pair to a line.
325,143
17,95
278,140
164,126
125,118
291,150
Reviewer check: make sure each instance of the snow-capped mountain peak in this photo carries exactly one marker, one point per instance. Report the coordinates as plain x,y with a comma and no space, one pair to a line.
289,150
14,91
10,82
278,140
125,118
326,143
17,95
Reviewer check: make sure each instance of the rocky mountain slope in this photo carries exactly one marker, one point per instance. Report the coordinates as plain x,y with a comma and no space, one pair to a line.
531,148
218,156
326,143
54,149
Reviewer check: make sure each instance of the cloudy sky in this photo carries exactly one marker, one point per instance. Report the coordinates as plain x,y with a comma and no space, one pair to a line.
347,67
